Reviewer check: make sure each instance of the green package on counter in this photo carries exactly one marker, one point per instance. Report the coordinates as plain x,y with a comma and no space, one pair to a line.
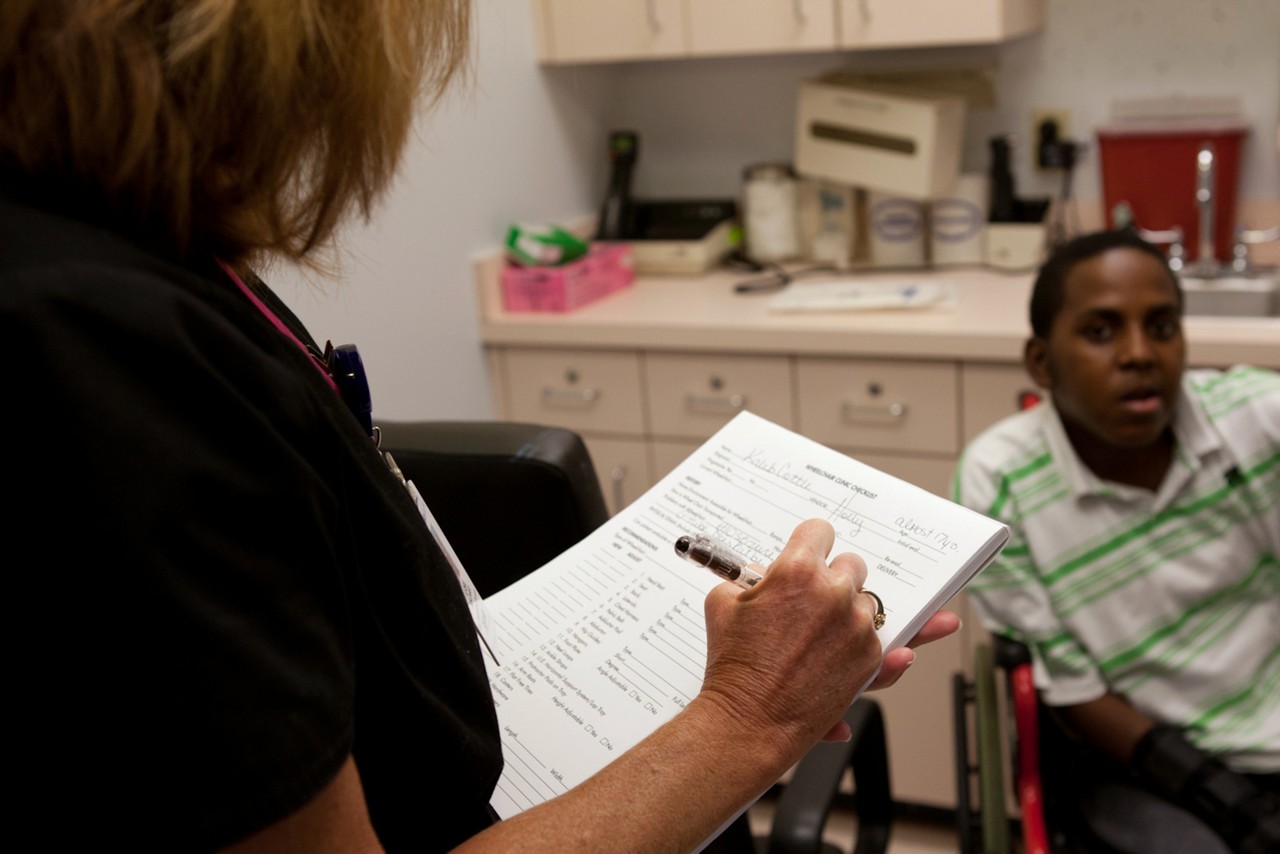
543,245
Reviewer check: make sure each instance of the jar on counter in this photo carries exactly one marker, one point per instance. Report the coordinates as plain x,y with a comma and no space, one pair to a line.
897,233
770,201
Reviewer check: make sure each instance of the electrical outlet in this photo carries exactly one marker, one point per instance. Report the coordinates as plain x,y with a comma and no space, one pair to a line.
1044,160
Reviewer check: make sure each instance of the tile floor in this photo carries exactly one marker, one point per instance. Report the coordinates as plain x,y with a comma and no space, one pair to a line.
905,837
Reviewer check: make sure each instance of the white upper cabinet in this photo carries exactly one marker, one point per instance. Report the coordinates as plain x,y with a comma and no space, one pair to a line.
609,30
571,31
726,27
915,23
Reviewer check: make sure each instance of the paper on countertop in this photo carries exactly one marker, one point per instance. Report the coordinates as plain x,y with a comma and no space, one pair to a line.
864,295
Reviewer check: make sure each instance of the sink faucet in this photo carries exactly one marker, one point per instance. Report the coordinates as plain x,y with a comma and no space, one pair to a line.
1207,262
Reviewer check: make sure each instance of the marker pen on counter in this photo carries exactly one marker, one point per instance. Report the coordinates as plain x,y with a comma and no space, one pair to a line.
718,558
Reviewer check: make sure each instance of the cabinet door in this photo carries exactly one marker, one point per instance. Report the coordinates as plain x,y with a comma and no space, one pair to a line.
669,453
694,395
622,467
919,726
605,30
912,23
870,404
585,390
760,26
991,392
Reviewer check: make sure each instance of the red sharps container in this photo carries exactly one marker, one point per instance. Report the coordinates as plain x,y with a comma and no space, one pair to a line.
1156,169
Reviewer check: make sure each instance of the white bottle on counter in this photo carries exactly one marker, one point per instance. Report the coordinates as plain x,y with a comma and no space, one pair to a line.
770,212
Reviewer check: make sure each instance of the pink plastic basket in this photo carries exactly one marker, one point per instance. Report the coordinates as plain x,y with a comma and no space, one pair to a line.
604,269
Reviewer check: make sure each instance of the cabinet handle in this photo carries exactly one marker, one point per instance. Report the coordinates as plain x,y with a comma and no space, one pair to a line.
854,411
1258,235
797,9
617,478
651,9
555,396
865,9
733,401
1165,235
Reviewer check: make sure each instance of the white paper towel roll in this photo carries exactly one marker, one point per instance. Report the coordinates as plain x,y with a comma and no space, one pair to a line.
956,221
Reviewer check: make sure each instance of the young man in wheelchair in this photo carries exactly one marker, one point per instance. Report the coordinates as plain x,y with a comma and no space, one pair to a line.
1143,571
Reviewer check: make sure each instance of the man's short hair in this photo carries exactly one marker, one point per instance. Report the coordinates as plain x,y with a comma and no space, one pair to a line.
1047,293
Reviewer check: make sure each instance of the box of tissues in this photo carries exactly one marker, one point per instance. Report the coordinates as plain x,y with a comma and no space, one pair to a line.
604,269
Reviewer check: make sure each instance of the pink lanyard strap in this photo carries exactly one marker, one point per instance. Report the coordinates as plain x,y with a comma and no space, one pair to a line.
275,321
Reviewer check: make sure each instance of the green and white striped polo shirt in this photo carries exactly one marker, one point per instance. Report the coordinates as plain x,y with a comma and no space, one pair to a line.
1170,598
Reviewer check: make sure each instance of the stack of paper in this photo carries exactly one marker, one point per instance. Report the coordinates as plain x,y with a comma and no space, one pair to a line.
864,295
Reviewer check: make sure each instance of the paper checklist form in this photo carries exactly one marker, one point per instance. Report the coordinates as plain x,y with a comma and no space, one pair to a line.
607,642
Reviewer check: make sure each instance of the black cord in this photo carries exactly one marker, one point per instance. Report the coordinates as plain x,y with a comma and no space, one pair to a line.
777,280
738,260
1060,229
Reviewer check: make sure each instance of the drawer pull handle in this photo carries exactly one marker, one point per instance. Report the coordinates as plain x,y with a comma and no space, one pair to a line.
651,12
853,411
733,401
617,479
554,396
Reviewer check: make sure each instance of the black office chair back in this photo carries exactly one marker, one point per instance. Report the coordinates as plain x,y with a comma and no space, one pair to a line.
509,496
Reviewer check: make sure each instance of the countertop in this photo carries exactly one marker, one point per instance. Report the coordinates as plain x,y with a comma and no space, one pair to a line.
702,313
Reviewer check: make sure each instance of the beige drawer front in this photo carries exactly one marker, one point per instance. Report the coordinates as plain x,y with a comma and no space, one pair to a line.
991,392
584,390
885,405
694,395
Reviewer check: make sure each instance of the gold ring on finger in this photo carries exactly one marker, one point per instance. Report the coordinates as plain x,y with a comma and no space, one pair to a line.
878,619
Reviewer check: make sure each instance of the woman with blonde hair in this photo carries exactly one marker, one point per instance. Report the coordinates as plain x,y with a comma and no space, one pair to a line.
231,627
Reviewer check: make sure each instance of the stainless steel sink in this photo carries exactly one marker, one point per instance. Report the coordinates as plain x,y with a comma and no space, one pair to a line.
1233,295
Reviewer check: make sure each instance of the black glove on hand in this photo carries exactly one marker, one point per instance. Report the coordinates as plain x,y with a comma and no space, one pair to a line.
1244,815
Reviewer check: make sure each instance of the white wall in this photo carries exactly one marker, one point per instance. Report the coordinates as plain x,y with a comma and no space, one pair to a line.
511,147
1095,51
528,144
702,120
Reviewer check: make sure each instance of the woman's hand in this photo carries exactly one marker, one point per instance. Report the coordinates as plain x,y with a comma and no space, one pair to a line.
784,661
787,656
792,652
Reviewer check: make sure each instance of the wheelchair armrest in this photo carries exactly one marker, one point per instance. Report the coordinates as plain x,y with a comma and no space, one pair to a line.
807,798
1015,659
990,739
1026,717
1008,653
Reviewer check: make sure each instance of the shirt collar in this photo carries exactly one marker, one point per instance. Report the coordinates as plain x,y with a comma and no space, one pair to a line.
1194,438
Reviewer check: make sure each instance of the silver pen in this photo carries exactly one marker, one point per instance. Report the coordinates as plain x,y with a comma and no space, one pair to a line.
718,558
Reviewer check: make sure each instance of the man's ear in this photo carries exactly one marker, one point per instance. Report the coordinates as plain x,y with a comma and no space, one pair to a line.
1035,358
